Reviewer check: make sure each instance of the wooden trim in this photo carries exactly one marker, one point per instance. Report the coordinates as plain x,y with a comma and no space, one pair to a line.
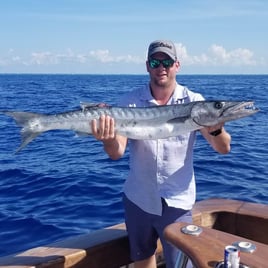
207,249
100,249
246,219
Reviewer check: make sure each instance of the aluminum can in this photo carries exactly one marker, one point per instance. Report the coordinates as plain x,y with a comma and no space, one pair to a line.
231,257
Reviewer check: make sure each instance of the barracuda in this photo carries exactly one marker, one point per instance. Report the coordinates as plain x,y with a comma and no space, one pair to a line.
156,122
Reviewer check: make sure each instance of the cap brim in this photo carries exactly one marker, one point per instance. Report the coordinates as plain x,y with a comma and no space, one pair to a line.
163,50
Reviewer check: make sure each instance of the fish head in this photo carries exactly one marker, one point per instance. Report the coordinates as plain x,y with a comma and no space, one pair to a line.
209,113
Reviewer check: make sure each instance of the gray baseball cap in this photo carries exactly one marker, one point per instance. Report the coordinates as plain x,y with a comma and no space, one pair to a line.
164,46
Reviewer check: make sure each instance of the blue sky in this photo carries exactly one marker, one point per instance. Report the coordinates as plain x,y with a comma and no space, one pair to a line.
112,36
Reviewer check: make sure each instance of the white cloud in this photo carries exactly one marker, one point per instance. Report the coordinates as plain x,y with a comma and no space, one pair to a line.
49,58
105,56
217,55
102,55
239,56
42,58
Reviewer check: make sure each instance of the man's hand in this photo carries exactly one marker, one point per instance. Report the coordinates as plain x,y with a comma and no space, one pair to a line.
103,130
214,129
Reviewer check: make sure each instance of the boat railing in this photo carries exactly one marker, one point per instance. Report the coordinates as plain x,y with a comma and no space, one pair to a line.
103,248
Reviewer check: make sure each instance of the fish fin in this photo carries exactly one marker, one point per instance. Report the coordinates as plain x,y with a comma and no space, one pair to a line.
87,105
27,137
178,119
22,119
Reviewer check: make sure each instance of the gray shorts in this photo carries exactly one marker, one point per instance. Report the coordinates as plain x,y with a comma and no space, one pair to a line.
144,229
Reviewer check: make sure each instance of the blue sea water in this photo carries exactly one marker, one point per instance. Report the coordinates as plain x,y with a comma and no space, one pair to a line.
61,185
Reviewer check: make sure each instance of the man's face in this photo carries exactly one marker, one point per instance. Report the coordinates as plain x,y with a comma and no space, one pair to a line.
162,69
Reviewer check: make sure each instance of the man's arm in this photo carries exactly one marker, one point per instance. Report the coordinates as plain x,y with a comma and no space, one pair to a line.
220,141
104,130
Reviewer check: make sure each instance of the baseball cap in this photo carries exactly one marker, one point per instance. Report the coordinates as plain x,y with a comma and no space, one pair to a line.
164,46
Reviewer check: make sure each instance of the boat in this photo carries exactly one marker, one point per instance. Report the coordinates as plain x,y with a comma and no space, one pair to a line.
216,223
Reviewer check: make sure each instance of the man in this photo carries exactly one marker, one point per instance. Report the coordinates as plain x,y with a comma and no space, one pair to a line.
160,188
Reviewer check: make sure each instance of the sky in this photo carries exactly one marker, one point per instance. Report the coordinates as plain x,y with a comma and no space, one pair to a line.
112,36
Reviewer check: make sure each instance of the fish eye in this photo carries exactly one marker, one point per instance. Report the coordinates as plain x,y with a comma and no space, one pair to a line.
218,105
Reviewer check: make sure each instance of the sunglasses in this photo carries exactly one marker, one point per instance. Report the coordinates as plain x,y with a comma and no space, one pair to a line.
154,63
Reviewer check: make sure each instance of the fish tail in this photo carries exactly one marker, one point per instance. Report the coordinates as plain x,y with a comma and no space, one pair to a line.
22,119
26,137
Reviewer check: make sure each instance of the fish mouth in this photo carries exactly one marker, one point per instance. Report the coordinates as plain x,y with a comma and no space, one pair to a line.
229,111
240,109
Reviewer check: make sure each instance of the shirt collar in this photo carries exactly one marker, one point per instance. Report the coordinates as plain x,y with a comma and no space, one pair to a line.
179,94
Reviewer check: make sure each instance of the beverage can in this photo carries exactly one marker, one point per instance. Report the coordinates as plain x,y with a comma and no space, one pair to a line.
231,257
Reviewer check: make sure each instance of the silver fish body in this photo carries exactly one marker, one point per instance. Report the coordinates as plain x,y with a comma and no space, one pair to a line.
154,122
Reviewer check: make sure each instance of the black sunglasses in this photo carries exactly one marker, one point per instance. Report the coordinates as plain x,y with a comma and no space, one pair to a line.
154,63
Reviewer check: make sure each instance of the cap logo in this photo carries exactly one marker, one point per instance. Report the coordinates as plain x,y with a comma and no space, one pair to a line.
160,44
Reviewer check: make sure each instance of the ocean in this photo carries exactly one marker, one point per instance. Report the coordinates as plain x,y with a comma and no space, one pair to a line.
62,185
